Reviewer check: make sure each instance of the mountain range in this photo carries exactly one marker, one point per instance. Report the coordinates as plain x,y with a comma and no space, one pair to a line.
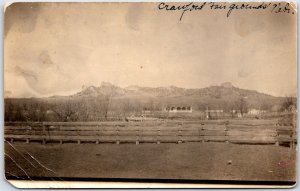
215,96
224,90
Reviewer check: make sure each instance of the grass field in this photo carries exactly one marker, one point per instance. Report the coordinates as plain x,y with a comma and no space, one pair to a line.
204,161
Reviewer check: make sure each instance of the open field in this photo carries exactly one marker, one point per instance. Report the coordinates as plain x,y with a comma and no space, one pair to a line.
204,161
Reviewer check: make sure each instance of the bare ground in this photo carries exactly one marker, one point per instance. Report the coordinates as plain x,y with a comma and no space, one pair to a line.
202,161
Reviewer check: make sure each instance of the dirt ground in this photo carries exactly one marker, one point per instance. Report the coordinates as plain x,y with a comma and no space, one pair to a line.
202,161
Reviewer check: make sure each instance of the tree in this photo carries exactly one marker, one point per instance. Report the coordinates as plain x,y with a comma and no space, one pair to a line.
9,110
105,105
100,107
242,105
19,114
126,107
288,104
66,110
84,109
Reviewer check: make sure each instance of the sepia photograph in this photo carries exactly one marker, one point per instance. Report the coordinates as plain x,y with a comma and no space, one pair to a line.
189,93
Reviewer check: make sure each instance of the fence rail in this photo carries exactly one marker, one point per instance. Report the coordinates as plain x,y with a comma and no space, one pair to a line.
245,132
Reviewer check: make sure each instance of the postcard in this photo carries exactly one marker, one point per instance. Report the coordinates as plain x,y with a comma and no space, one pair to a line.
160,94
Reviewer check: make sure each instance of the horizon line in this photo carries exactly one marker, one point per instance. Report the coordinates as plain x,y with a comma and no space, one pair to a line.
105,83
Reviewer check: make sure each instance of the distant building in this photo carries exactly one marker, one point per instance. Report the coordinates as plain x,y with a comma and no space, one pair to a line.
179,109
213,113
255,111
236,113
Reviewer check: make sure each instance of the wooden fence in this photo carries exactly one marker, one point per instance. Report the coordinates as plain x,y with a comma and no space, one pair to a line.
239,131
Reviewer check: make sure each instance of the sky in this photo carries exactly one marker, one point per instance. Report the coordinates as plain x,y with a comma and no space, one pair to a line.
57,48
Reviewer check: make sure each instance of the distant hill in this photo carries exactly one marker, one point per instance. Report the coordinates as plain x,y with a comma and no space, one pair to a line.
109,101
224,90
214,96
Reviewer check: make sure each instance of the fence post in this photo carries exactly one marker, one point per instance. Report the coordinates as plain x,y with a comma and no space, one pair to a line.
97,133
294,136
179,136
201,134
117,141
44,133
294,127
292,139
158,136
276,137
137,137
44,128
226,133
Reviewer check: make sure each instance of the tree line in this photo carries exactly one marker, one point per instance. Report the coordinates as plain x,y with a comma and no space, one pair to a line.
103,108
